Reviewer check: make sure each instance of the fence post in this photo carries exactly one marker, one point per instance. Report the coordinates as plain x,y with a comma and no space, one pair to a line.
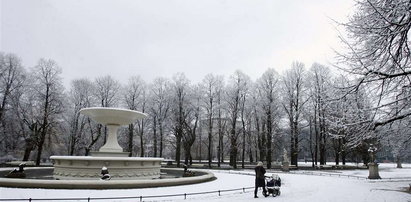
88,199
185,196
219,193
243,190
29,199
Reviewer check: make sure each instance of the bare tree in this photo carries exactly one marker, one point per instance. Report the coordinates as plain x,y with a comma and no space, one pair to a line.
245,113
191,120
48,88
268,87
210,87
135,98
258,119
24,107
319,82
80,96
293,105
160,109
236,93
379,55
348,116
179,109
12,77
221,123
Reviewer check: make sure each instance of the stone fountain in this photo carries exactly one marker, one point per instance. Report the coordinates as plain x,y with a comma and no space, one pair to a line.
110,155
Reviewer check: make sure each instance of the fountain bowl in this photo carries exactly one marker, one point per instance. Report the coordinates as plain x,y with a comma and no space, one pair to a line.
112,116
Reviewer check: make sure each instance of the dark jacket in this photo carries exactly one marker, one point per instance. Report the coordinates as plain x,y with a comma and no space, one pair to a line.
259,176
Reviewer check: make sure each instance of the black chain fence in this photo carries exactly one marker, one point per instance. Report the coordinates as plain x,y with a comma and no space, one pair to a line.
137,198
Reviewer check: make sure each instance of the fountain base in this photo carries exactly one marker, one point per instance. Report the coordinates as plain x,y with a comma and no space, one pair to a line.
120,168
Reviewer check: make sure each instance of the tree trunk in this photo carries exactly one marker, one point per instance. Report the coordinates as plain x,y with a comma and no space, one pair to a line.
243,152
186,155
233,153
29,145
210,135
200,149
73,138
87,151
210,144
161,138
142,139
337,157
130,139
178,149
233,148
398,161
343,153
244,135
338,152
222,148
269,138
155,135
311,143
40,146
263,144
250,150
44,125
220,138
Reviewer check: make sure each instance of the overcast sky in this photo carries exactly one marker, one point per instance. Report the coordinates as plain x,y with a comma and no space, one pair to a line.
152,38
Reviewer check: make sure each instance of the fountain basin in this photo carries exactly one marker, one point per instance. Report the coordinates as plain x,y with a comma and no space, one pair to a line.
46,181
120,168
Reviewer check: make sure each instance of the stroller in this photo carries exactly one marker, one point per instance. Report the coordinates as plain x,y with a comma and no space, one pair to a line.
273,184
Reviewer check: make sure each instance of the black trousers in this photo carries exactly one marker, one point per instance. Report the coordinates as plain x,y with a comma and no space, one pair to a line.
256,190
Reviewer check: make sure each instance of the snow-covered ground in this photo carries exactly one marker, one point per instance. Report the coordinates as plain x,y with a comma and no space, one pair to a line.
297,186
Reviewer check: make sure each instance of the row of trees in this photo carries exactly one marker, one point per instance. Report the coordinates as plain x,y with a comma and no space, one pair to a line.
237,119
312,113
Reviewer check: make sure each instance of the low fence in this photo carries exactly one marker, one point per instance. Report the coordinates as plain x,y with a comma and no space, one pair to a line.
136,198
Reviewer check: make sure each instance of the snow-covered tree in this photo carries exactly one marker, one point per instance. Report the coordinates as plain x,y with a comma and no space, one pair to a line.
135,98
160,100
379,55
48,89
268,87
235,95
80,96
179,106
293,103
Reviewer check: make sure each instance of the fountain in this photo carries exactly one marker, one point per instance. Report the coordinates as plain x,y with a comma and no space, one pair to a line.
84,172
110,155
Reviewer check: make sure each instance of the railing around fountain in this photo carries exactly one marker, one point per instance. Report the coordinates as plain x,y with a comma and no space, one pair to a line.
140,198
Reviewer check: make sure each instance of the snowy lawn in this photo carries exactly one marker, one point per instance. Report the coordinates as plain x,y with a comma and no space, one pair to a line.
297,186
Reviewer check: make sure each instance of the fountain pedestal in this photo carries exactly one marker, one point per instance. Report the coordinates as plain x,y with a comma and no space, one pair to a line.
111,148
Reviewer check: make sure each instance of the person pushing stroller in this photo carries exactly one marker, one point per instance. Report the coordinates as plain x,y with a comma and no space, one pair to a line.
259,179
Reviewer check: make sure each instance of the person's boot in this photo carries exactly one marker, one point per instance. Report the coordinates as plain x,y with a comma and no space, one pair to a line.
255,196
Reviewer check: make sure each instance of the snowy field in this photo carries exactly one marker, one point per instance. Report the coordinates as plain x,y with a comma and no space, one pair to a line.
296,186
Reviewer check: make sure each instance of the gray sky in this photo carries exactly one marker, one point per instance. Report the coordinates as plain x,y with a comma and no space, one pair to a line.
151,38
